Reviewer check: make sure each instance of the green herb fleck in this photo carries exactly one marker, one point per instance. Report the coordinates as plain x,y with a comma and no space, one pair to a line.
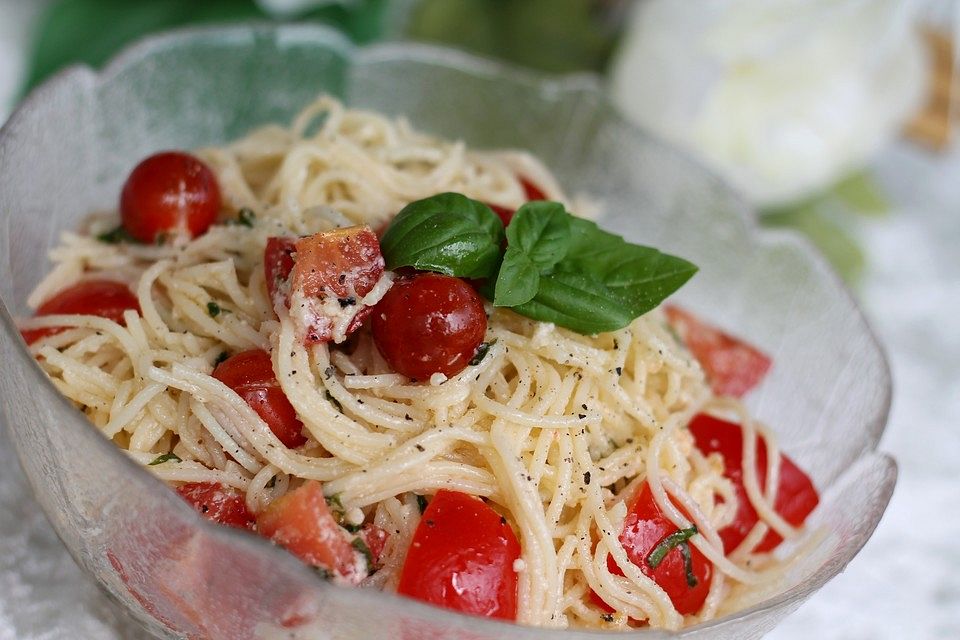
335,503
161,239
167,457
362,547
221,358
421,503
688,565
324,573
213,309
481,352
668,544
246,217
116,236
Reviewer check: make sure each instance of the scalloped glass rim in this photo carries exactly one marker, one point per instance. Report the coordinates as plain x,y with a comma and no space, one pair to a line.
588,119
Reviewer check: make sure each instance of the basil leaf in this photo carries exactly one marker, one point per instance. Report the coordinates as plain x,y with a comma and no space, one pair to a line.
518,280
166,457
447,233
542,231
577,301
642,277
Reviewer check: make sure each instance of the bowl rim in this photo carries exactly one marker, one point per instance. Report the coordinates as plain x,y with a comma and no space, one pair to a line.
427,54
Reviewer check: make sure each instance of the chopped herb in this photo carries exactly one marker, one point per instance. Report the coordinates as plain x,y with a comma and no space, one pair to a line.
213,309
245,217
334,401
688,565
324,573
668,544
421,503
116,236
481,353
221,358
167,457
362,547
335,503
272,483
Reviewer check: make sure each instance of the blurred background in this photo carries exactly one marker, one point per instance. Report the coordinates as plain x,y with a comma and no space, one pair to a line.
836,118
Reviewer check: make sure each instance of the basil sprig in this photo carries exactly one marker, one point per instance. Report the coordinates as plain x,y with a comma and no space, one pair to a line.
448,233
556,267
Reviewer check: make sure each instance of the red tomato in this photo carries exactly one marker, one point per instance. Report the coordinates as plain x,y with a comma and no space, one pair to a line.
217,503
646,527
531,191
169,193
429,323
103,298
733,367
277,265
301,522
796,496
345,263
376,540
250,375
461,557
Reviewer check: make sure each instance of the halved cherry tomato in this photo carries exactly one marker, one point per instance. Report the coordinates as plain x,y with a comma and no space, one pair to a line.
103,298
429,323
343,263
531,191
218,503
169,193
796,496
301,522
733,367
250,375
644,529
461,557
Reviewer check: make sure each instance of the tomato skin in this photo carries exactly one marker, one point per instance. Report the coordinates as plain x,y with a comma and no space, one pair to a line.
644,528
733,367
217,503
250,375
301,522
277,265
796,496
376,540
461,557
104,298
429,323
169,193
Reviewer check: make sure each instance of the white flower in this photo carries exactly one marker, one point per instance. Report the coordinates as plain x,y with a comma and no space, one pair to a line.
783,97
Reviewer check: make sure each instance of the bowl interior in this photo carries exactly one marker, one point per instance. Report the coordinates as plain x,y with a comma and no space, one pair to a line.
67,151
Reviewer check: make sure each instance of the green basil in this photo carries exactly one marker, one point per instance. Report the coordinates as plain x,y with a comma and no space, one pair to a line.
117,235
447,233
541,230
577,301
668,544
166,457
518,280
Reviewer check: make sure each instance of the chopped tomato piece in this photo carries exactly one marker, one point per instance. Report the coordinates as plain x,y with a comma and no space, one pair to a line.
217,503
329,274
301,522
733,367
796,496
376,540
250,375
650,538
462,557
104,298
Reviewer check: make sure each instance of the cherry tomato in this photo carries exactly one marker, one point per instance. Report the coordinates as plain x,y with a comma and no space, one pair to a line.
644,529
733,367
301,522
277,265
250,375
218,503
169,193
103,298
461,557
796,496
429,323
531,191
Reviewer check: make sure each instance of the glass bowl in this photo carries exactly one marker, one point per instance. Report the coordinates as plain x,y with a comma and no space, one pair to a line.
66,151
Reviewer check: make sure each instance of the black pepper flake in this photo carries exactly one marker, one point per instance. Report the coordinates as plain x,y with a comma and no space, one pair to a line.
619,371
343,278
407,417
586,477
606,617
420,448
584,405
581,415
349,301
204,508
327,373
